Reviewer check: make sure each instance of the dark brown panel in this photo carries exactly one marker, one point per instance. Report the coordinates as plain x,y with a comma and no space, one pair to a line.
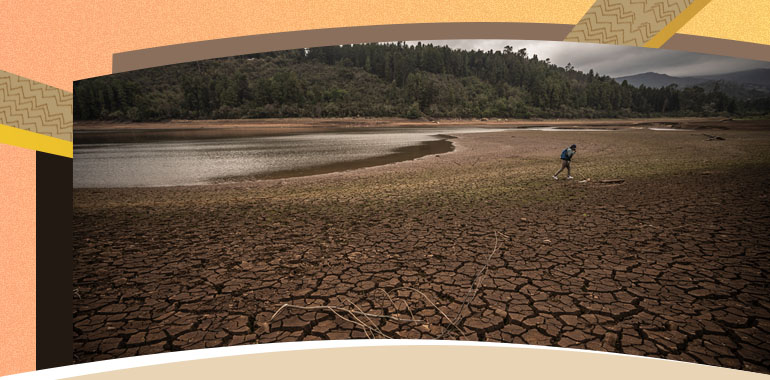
54,261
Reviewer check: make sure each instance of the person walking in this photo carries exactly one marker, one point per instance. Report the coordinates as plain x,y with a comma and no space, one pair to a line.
566,158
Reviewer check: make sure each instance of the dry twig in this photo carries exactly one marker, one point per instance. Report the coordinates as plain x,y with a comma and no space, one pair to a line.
371,329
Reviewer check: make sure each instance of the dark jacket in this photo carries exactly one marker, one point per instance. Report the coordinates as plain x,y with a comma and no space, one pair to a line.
567,154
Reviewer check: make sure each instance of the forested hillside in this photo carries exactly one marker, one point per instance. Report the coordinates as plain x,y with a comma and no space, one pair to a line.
386,80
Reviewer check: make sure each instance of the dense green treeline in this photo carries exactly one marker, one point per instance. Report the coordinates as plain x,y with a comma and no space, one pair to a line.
382,80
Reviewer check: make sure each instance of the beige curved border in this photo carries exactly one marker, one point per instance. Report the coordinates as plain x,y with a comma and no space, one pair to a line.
226,47
428,362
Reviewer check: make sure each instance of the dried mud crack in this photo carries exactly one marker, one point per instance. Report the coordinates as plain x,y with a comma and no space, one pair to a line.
672,263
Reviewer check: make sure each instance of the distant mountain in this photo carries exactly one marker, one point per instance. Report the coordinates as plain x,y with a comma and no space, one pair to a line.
741,84
656,80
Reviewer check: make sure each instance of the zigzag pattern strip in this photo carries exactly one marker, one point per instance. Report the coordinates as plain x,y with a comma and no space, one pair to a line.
626,22
35,107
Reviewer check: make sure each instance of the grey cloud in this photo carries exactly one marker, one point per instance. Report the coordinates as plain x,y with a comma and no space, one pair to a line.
615,60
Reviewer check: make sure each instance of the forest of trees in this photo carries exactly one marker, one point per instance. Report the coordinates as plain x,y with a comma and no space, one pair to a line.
387,80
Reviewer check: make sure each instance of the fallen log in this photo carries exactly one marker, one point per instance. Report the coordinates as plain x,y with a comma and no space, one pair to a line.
612,181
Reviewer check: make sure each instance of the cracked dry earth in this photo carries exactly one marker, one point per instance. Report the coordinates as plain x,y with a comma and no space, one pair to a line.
672,263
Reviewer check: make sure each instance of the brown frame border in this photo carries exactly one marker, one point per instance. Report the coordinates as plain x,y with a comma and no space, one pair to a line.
234,46
260,43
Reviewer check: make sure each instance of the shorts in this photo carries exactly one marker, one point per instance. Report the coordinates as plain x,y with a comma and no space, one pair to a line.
564,164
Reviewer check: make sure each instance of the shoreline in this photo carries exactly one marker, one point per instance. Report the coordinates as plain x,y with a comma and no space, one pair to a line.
402,154
92,132
312,124
217,129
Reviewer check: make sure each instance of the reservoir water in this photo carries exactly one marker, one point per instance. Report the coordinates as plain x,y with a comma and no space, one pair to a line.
206,161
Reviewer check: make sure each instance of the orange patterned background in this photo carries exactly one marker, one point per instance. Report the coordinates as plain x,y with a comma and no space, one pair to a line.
59,42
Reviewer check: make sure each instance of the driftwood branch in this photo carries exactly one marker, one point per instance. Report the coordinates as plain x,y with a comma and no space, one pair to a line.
355,315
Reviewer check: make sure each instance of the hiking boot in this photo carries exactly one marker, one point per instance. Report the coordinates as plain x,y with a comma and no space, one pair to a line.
569,177
555,177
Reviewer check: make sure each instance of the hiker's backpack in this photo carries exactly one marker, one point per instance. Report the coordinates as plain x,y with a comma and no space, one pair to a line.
564,155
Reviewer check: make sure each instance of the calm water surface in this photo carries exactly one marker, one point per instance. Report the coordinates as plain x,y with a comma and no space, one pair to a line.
197,162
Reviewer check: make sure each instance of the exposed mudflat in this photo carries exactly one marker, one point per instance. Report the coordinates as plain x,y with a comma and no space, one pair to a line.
674,262
90,132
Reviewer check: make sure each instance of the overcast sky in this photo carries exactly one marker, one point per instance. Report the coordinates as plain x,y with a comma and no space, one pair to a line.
613,60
